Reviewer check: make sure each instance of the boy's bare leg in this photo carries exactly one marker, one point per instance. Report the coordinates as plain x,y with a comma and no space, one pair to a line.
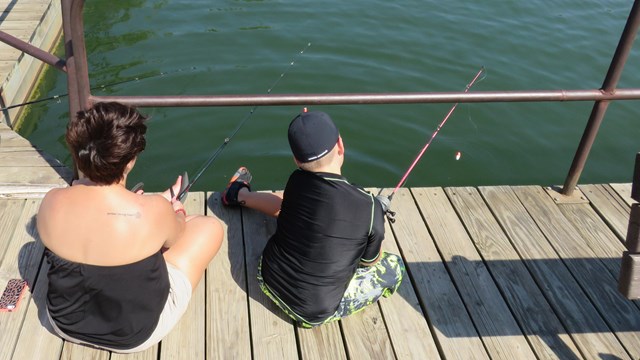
268,203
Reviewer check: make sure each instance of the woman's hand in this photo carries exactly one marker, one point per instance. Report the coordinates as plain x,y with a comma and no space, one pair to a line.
177,206
171,193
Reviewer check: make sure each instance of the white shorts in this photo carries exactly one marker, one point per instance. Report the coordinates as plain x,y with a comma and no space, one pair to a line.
179,296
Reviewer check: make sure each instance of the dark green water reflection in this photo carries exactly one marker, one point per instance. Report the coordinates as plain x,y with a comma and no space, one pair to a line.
241,47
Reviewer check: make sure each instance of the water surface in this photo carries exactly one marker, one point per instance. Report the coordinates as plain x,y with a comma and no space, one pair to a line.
242,47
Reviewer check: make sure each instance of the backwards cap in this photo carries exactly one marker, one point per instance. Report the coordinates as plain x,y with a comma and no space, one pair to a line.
312,135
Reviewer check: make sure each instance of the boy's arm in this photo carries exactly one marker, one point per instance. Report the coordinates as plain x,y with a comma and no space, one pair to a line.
372,252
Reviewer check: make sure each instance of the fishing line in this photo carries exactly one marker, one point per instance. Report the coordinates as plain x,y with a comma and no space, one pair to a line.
98,87
406,174
185,189
484,75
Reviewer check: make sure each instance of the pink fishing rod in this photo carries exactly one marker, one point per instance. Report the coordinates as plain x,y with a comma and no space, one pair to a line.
404,178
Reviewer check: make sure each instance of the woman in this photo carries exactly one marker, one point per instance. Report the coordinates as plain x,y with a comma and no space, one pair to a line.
122,265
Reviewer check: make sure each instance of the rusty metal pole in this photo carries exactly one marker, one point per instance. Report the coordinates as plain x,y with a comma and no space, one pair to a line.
29,49
369,98
72,84
600,107
80,54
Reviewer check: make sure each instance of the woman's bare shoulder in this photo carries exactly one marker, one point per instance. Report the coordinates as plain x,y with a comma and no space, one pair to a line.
156,203
53,198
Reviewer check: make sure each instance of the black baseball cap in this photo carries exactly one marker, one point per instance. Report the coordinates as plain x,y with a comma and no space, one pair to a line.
312,135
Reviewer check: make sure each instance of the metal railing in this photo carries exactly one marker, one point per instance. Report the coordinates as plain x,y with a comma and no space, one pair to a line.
80,97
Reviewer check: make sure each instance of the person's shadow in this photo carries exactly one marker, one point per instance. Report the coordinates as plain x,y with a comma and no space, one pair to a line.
33,267
247,234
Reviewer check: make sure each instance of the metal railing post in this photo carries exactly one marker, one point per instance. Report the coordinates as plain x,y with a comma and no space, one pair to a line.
80,54
76,61
600,107
72,85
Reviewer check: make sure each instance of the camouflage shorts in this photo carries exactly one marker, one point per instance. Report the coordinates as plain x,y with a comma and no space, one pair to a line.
365,288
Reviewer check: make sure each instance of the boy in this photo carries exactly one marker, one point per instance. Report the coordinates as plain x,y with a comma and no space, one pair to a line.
324,261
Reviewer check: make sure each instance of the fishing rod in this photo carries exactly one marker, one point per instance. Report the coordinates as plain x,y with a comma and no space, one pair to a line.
185,188
387,201
98,87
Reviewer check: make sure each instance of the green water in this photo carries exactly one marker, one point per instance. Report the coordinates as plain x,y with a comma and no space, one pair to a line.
242,47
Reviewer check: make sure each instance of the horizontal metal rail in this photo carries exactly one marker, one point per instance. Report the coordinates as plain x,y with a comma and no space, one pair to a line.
371,98
36,52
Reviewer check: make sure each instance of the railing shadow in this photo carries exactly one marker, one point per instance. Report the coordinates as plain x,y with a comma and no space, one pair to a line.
33,268
7,9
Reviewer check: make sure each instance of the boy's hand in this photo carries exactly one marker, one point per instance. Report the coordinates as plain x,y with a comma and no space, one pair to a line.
384,202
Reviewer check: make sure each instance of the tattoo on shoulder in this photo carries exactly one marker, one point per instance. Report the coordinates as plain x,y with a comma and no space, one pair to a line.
136,214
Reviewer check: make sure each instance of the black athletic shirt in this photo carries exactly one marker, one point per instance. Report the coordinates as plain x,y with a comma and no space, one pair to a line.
325,228
113,306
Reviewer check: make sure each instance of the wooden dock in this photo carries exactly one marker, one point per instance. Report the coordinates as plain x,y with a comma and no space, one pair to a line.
38,22
25,170
503,272
493,273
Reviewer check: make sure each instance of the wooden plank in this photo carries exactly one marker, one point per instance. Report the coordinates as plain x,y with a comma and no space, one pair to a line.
35,340
454,331
26,191
632,241
624,191
595,233
26,157
365,335
23,254
21,12
186,340
18,25
227,320
543,329
408,328
272,331
149,354
9,53
22,260
21,32
5,69
621,315
9,138
610,207
71,351
496,325
10,210
9,4
590,333
35,175
629,284
321,342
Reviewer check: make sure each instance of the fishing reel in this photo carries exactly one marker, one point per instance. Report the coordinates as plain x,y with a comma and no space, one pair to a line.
391,216
385,202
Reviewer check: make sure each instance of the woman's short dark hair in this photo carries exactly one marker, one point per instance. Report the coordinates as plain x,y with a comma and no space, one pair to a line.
104,139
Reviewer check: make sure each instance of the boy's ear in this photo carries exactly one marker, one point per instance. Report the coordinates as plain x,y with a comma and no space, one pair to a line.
340,145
